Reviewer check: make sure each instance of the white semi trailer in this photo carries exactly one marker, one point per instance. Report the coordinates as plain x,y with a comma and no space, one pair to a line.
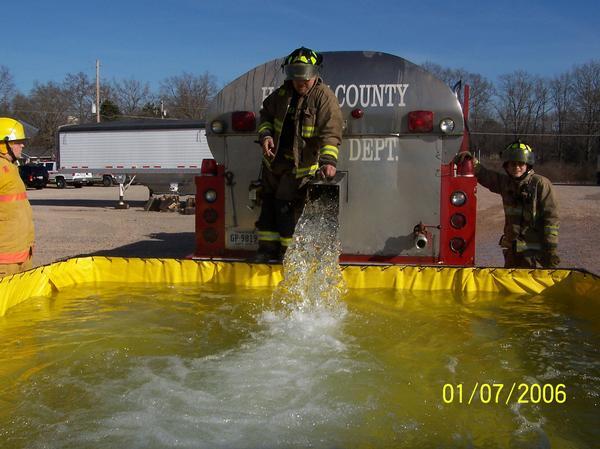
163,155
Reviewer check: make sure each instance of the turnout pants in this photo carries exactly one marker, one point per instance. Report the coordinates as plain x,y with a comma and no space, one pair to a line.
519,260
283,198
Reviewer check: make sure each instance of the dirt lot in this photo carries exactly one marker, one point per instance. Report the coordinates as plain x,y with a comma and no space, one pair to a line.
77,222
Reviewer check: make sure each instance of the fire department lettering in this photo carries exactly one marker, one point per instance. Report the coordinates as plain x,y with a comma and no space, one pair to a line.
363,95
373,95
376,149
266,91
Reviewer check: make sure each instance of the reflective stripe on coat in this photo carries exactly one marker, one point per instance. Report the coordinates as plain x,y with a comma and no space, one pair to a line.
317,123
16,218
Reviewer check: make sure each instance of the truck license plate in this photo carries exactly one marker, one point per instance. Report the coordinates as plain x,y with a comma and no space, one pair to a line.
242,239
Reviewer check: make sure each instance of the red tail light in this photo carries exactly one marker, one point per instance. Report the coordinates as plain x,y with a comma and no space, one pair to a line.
420,121
210,235
209,167
457,244
357,113
458,221
210,210
210,215
243,121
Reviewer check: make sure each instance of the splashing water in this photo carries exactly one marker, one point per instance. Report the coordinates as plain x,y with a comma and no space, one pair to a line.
312,276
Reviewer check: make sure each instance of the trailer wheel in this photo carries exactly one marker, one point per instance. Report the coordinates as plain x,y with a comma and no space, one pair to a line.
60,183
107,181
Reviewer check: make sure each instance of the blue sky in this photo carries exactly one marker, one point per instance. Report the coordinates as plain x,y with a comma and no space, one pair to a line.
151,40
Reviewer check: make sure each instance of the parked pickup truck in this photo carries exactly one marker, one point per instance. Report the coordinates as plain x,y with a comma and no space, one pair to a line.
64,179
34,175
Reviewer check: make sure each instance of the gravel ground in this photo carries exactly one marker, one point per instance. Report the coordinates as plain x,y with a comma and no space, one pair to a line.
79,222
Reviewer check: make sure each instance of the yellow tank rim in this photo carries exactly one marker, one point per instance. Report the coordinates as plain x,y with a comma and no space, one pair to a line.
43,281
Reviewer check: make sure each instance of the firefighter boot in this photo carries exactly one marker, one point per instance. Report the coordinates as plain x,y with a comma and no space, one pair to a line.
267,252
283,250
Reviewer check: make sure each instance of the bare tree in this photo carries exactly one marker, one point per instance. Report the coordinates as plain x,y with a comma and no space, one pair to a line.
131,96
46,107
522,102
81,94
482,90
480,101
106,93
586,89
7,89
187,96
541,122
561,93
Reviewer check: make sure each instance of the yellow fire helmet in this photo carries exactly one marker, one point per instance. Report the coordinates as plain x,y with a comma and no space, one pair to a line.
518,152
11,130
302,64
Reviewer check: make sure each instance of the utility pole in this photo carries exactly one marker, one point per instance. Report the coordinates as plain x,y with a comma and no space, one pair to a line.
97,90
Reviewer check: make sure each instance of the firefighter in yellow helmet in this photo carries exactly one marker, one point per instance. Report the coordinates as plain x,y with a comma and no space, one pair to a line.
530,208
16,221
300,132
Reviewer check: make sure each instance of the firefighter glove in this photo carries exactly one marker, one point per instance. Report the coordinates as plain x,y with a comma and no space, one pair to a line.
464,156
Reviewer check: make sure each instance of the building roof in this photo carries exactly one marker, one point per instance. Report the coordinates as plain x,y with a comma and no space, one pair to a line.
129,125
39,152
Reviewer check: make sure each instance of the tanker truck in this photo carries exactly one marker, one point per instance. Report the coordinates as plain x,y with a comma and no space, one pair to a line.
402,200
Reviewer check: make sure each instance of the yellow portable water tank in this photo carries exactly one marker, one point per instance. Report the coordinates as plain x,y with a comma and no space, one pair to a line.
573,285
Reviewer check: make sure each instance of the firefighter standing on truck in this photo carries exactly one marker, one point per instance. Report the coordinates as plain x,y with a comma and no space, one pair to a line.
300,132
530,208
16,220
